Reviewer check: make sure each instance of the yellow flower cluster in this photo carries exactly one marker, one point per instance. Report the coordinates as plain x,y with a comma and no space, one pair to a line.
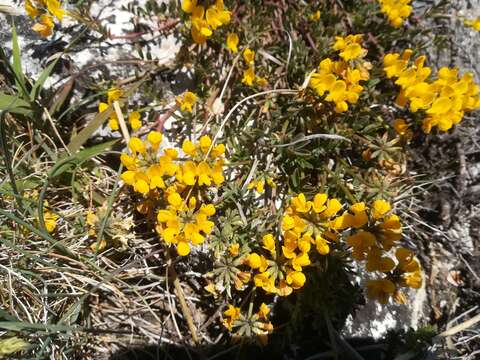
444,99
407,273
256,323
396,10
474,24
204,23
259,184
186,101
340,80
370,232
249,77
305,223
182,218
373,234
134,118
44,12
183,224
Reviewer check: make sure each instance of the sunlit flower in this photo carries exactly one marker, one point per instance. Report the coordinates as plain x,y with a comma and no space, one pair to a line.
232,42
186,101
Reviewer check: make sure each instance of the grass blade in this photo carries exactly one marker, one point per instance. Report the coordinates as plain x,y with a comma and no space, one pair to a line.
15,105
17,64
80,139
42,78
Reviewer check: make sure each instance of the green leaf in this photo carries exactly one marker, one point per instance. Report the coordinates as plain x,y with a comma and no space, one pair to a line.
22,185
21,326
41,79
66,163
60,97
57,244
80,139
15,105
7,316
17,64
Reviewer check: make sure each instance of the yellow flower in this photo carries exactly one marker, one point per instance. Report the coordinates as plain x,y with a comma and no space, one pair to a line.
189,5
232,42
351,52
175,200
205,142
380,290
361,242
401,127
296,279
189,148
338,94
54,7
186,101
128,177
260,188
413,280
171,154
261,81
141,186
114,94
300,261
475,24
155,138
113,124
322,245
249,56
216,17
300,204
396,10
134,120
217,151
440,106
271,183
234,249
45,26
232,313
128,161
254,260
183,248
288,223
375,262
189,173
31,10
319,201
137,146
333,207
409,267
248,76
380,209
269,243
203,173
50,220
263,311
315,16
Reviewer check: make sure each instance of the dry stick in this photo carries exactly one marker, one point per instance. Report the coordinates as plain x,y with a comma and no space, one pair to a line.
237,105
224,89
172,314
460,327
121,122
183,304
